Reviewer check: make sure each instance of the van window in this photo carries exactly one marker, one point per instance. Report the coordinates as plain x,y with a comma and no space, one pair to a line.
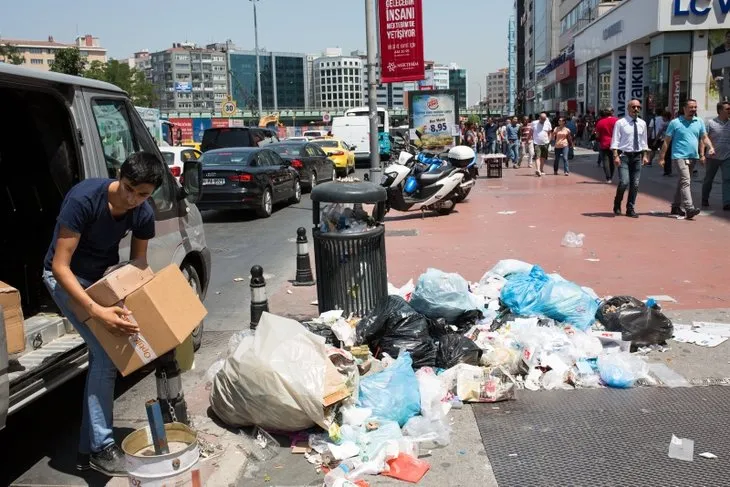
115,133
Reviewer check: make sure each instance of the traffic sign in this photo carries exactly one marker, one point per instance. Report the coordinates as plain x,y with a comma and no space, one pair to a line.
228,107
326,117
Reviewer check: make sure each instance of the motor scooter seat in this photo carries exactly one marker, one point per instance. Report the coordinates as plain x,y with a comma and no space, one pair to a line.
428,178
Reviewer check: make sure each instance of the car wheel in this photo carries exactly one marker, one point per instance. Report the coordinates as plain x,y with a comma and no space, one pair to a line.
267,204
334,174
194,280
342,173
297,192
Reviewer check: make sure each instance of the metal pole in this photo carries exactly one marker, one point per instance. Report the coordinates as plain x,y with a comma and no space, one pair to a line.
372,43
258,66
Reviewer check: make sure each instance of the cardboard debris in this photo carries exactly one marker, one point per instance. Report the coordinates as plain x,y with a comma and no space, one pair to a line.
13,317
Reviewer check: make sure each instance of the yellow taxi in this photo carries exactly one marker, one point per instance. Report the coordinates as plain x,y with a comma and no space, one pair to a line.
192,145
341,154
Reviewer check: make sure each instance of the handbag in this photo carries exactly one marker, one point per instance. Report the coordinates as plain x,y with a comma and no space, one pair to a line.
595,146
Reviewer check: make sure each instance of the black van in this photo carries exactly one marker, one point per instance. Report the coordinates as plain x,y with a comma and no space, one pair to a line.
225,137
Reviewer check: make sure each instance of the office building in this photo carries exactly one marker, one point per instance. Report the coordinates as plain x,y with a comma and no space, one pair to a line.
458,80
519,9
338,80
511,65
389,95
40,54
284,80
498,91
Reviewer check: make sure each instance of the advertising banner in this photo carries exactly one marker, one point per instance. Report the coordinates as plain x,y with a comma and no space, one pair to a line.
182,131
435,114
401,40
199,126
183,87
219,123
674,88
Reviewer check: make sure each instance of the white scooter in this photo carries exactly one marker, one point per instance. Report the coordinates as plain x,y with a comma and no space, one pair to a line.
412,188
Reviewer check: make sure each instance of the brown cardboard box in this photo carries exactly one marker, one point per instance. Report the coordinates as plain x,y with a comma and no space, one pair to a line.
165,308
13,316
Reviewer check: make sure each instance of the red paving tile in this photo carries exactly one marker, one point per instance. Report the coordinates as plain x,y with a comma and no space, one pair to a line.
655,254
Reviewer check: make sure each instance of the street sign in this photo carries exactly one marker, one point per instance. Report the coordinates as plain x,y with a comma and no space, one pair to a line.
228,107
326,117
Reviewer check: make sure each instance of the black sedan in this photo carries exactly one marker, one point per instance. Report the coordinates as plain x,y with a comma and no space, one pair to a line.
247,178
312,162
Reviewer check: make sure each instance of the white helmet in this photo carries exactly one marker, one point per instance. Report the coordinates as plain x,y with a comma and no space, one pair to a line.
461,153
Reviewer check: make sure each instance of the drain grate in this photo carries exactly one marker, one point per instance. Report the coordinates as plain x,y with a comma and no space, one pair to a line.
606,437
401,233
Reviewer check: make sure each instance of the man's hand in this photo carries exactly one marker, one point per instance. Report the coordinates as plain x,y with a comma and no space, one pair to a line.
646,160
617,161
115,319
703,160
711,151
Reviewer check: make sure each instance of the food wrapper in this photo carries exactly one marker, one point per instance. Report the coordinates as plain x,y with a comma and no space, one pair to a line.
479,384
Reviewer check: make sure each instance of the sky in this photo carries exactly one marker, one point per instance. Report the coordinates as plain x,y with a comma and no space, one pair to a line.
470,33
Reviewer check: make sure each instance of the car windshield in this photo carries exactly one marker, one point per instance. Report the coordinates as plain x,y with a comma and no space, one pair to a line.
326,143
286,149
169,158
226,158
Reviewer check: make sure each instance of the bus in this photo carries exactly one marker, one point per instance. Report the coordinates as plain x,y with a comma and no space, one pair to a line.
383,127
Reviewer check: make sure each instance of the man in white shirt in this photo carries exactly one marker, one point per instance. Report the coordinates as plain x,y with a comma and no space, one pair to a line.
630,150
541,130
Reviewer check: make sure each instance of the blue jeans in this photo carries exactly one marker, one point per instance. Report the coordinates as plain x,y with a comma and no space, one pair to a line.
97,415
513,151
629,173
490,147
561,152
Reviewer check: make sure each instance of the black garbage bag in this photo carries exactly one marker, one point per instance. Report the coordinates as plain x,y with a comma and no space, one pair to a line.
456,349
324,331
438,328
638,323
393,325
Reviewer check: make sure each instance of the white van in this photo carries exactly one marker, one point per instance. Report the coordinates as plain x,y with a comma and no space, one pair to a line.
355,130
77,128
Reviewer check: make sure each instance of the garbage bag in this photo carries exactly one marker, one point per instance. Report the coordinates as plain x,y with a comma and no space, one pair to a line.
439,327
274,379
508,267
457,349
621,369
323,330
442,295
393,393
637,322
394,326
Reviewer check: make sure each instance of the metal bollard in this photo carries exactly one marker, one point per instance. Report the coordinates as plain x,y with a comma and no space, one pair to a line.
304,267
259,303
169,389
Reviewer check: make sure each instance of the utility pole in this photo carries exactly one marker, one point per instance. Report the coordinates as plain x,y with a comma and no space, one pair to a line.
258,66
372,56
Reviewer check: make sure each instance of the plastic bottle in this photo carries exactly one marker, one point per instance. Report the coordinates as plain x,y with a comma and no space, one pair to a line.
340,472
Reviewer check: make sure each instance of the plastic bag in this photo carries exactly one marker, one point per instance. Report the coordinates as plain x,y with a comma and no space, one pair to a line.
637,322
457,349
442,295
275,379
323,330
432,391
394,326
477,384
621,369
572,240
393,393
439,327
237,338
507,267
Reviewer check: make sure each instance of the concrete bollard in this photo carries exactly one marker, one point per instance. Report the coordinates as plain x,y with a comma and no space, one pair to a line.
259,303
304,275
169,389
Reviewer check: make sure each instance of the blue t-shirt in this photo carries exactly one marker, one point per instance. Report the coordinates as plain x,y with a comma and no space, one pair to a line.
513,132
85,210
685,136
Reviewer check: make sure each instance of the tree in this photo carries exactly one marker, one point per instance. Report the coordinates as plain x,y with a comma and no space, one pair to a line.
131,80
69,61
475,119
11,55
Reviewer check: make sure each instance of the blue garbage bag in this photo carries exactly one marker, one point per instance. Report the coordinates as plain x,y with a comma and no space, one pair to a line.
537,293
443,295
393,393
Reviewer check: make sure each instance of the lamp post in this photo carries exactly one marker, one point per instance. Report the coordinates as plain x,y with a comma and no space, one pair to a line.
258,66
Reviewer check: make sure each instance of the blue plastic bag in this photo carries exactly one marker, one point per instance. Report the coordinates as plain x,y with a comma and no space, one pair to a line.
442,295
393,393
523,292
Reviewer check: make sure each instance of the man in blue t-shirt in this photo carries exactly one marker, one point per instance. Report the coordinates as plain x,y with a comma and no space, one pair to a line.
95,215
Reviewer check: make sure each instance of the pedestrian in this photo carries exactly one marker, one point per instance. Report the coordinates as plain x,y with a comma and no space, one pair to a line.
512,133
684,135
470,136
490,133
562,137
95,216
657,125
718,130
630,150
604,134
541,129
527,148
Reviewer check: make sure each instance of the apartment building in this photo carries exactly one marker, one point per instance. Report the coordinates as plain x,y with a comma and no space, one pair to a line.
40,54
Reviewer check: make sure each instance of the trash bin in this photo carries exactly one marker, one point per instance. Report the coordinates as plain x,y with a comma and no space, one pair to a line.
349,246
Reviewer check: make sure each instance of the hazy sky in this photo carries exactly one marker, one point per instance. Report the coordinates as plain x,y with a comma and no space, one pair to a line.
471,33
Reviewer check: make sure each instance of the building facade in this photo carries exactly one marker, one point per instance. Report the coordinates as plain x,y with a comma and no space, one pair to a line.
40,54
511,65
459,80
338,80
659,51
498,91
519,8
284,80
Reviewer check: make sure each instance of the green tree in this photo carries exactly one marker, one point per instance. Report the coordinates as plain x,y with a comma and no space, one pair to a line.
131,80
11,55
69,61
475,119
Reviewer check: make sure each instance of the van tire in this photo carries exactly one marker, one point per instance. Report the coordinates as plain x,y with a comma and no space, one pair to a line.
194,280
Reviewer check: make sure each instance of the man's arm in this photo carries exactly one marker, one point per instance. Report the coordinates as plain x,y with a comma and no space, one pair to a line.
665,147
647,152
614,143
138,251
706,146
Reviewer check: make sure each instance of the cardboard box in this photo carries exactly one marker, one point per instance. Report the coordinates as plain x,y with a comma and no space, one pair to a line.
165,308
13,316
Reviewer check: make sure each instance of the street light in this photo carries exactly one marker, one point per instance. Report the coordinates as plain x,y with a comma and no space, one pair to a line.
258,66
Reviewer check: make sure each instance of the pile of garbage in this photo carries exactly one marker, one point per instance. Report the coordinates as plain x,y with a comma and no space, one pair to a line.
381,387
344,218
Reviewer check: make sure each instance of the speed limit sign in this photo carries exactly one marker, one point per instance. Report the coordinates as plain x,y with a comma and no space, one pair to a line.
228,107
326,117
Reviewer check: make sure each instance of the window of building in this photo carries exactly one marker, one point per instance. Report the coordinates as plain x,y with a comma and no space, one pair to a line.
36,61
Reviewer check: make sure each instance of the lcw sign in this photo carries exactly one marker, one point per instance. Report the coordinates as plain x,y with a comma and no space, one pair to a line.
701,8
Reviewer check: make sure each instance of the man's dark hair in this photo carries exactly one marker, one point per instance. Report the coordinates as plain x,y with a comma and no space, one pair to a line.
687,102
143,168
721,106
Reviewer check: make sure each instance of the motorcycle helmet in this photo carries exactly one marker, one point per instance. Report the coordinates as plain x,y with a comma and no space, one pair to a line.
461,155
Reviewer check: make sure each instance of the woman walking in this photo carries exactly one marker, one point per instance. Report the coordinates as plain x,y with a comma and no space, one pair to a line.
562,137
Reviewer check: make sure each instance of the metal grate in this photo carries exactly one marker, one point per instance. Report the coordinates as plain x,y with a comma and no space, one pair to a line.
402,233
607,437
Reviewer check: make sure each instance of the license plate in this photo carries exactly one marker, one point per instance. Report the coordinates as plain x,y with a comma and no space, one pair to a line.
214,181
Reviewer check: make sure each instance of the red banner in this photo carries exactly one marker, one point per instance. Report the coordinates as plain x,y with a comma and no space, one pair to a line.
220,123
401,40
183,130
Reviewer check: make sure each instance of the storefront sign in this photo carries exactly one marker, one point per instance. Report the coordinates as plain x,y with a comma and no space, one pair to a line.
435,114
674,93
621,88
614,29
565,71
637,78
401,40
700,8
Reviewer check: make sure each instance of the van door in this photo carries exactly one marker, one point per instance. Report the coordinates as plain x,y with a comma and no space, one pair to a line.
118,133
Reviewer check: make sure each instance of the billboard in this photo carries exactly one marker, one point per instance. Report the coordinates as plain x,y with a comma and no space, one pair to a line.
182,131
401,40
435,115
183,87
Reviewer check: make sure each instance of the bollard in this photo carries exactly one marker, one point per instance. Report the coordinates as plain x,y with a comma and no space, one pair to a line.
304,267
259,303
169,389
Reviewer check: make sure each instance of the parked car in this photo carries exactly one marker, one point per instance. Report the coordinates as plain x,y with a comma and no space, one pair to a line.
342,155
244,178
312,162
297,139
176,156
225,137
315,133
76,128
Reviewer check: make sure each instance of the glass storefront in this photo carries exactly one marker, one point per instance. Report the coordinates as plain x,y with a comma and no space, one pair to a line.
604,83
591,87
663,71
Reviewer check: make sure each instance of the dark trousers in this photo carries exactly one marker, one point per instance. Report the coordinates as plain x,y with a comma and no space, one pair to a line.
668,163
605,158
629,173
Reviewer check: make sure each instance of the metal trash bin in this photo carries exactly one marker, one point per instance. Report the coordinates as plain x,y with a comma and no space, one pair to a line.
351,268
